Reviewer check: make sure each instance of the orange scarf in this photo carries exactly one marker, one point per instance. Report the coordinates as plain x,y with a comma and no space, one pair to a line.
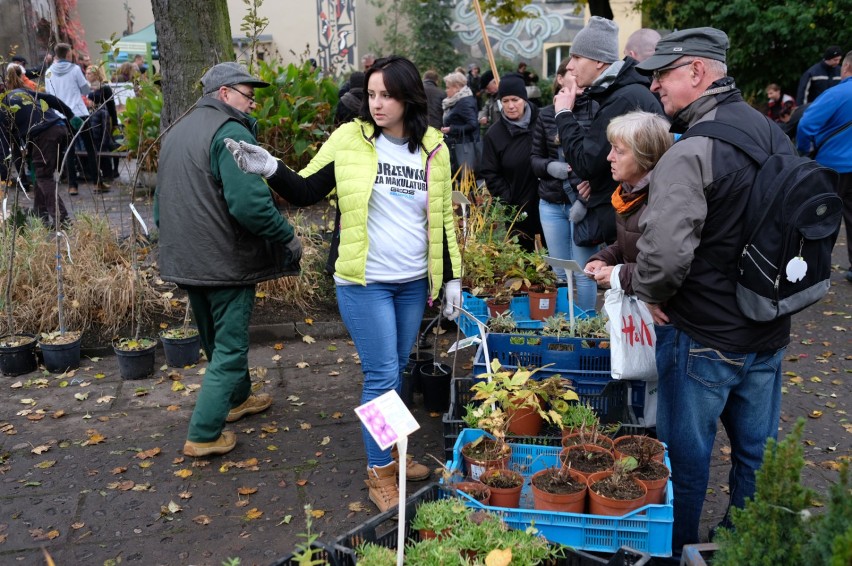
626,203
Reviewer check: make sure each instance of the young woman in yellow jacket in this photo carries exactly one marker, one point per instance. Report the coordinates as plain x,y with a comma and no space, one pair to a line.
397,246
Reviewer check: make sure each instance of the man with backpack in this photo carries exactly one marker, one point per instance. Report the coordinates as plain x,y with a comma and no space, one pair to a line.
713,361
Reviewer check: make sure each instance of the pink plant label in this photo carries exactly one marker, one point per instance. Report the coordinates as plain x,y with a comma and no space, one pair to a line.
387,419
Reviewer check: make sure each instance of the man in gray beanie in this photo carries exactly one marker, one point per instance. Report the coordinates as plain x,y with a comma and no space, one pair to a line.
220,235
596,71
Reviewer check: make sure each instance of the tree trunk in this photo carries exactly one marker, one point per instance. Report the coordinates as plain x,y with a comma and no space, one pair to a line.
192,36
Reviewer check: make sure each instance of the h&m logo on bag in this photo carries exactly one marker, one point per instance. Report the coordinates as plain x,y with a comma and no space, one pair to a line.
641,335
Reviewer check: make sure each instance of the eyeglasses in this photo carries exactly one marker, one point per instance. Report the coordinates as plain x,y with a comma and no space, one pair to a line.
658,74
249,98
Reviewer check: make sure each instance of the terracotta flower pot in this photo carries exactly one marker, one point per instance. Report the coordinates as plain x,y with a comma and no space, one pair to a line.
524,421
563,502
587,466
620,450
476,489
656,487
542,305
485,455
602,505
576,438
496,308
503,496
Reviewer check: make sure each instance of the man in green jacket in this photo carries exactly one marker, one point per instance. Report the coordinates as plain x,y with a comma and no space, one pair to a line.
220,235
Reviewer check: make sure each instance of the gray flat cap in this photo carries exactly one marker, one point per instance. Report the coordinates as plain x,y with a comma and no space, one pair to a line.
227,74
700,42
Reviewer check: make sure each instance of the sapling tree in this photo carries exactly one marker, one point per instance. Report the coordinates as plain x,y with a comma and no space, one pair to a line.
770,529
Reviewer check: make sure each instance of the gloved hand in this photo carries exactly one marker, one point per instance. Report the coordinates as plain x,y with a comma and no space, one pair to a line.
252,158
295,247
452,299
577,212
558,170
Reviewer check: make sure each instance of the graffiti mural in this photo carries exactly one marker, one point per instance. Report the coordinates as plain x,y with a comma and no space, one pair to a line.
336,33
521,40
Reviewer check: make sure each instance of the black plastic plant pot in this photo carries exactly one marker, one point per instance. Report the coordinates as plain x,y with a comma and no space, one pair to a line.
419,359
181,352
137,363
17,354
59,358
435,383
408,381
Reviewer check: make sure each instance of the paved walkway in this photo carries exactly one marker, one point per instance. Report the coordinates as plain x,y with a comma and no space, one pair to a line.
92,471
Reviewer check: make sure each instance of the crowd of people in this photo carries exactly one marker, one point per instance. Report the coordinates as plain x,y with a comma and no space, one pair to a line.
89,113
596,173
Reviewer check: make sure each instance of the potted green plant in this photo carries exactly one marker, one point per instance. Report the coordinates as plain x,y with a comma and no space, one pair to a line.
434,519
486,452
527,402
616,492
534,274
559,489
587,459
372,554
505,485
639,446
503,322
182,345
141,120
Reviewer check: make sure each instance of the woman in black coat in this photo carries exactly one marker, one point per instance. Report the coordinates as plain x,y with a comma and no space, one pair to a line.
461,116
505,164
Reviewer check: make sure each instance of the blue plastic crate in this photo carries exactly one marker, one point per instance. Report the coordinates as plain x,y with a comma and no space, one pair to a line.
647,529
520,308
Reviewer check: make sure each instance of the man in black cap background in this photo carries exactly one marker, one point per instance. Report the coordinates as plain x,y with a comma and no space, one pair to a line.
220,235
618,89
713,362
820,77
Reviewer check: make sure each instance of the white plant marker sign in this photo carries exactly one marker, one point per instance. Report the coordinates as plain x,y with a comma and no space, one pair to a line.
389,422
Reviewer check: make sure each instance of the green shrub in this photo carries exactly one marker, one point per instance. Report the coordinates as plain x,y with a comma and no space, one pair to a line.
770,529
141,120
295,113
832,534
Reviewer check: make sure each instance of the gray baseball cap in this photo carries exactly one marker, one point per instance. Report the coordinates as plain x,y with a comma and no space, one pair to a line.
227,74
700,42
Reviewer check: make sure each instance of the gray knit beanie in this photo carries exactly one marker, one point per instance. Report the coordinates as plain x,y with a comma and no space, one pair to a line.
597,41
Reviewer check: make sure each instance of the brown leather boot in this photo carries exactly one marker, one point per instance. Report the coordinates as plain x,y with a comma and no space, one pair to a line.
414,471
382,483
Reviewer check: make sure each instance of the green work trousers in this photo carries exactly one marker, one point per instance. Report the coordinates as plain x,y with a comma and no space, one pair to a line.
222,315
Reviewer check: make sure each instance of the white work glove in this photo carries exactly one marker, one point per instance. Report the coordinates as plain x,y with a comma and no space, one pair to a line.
577,212
558,170
295,247
452,299
252,158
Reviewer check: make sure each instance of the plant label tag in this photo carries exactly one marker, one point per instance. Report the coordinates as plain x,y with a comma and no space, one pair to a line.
464,343
387,419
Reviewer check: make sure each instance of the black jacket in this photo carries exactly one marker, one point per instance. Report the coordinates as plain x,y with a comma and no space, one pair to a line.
28,120
505,162
434,96
463,121
546,148
586,148
816,80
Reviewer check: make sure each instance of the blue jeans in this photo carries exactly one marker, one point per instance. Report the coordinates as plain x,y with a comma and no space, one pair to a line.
587,288
557,232
383,320
699,386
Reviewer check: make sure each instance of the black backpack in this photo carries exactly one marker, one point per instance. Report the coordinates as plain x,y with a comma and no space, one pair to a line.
794,212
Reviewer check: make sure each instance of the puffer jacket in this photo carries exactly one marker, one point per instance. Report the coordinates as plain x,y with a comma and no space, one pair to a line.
348,160
696,210
546,148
